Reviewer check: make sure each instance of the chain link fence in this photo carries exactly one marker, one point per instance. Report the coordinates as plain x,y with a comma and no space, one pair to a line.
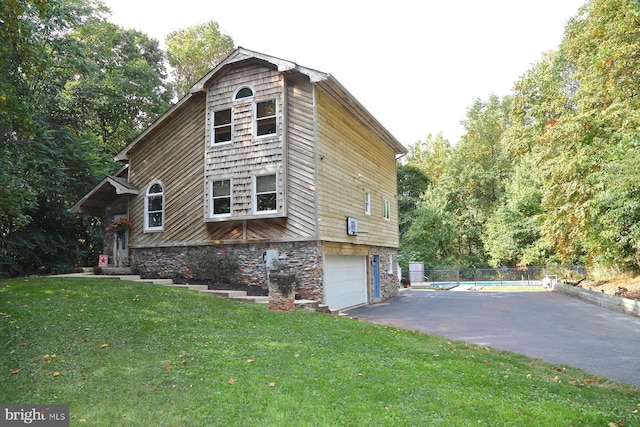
501,275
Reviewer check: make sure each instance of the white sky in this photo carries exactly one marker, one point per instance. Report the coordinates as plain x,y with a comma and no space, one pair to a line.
416,65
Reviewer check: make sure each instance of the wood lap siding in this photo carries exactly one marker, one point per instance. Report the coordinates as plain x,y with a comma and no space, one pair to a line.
173,155
301,158
354,159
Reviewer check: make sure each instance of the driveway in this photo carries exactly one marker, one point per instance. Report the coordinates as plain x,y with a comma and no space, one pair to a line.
544,325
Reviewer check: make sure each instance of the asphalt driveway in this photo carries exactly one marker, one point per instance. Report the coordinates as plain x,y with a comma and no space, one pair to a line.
545,325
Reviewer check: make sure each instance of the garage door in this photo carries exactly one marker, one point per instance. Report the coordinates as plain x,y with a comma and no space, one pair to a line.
345,281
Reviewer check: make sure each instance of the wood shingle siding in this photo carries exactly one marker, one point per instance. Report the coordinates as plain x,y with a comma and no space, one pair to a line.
246,155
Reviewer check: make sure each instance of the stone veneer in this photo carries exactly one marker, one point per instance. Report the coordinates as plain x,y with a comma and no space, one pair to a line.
305,259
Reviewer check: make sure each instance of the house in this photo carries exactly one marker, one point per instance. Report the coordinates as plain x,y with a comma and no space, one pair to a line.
264,159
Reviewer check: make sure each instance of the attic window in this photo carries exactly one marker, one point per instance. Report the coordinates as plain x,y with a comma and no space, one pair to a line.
243,92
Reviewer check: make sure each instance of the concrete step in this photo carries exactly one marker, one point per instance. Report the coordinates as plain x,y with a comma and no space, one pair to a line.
163,281
198,287
252,298
223,293
306,303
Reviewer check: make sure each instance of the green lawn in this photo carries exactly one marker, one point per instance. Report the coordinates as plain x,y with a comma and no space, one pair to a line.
132,354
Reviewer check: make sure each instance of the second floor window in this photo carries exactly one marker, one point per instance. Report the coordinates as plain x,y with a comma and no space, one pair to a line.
386,209
265,194
266,118
220,198
367,202
221,129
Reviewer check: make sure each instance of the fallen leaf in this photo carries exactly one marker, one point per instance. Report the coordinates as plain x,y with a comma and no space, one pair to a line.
83,420
251,360
15,370
166,367
231,380
56,374
272,384
184,361
105,345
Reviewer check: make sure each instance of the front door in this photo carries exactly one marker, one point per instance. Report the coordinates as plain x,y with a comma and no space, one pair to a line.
376,276
121,245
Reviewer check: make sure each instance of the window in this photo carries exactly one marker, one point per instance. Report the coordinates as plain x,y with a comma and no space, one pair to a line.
367,202
220,203
221,129
265,118
154,208
386,209
265,194
243,92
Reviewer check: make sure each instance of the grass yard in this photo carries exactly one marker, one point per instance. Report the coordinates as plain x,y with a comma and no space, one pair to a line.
132,354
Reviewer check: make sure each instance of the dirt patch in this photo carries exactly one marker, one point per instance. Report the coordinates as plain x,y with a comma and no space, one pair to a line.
627,287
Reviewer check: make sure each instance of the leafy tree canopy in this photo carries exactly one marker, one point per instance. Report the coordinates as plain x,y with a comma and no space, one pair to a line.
193,52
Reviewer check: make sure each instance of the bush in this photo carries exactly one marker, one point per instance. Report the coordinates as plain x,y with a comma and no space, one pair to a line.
213,264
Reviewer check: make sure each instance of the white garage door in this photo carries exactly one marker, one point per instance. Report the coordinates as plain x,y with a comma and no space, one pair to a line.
345,281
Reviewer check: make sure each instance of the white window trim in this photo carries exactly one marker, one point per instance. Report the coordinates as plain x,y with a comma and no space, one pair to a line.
211,214
367,202
386,209
213,128
148,228
246,98
254,194
255,119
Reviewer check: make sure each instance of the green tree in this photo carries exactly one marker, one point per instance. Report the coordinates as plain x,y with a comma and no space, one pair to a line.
119,89
193,52
412,183
513,234
430,155
595,137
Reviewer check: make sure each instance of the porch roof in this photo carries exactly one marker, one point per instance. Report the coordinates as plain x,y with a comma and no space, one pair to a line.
96,200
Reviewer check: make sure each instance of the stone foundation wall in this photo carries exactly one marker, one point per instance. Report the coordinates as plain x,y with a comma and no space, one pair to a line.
302,258
389,282
305,259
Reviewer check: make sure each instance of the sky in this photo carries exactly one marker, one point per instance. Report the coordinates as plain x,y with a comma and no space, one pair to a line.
415,65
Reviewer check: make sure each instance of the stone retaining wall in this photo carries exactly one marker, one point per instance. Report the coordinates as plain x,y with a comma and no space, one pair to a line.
613,302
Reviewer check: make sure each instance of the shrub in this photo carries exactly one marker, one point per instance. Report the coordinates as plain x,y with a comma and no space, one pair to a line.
213,264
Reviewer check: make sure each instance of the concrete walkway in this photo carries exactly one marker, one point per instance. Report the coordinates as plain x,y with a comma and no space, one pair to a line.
545,325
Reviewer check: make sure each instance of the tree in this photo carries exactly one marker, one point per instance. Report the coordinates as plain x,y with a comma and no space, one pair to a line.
595,137
193,52
121,89
430,155
412,183
513,234
44,160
